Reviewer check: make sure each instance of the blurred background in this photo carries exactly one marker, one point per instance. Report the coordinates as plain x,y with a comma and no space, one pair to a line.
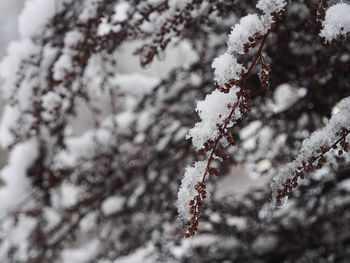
9,11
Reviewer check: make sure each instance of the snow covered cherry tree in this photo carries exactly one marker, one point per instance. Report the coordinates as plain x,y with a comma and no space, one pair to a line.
98,145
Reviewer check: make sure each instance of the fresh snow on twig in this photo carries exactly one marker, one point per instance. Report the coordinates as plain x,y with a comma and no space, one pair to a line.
212,110
216,107
248,26
193,175
226,67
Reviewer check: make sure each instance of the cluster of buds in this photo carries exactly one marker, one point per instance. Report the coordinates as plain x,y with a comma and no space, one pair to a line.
224,157
314,162
206,146
344,146
321,10
229,139
244,108
277,17
264,74
232,82
212,171
290,184
195,204
252,42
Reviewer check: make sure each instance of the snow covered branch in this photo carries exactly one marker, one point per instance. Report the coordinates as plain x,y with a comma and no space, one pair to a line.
313,153
224,107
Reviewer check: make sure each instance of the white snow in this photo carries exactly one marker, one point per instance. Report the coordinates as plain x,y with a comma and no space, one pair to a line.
142,254
112,205
83,145
50,100
323,137
8,116
82,254
121,12
226,67
136,194
264,244
193,175
285,96
212,110
270,6
89,10
88,222
16,53
14,175
52,217
345,185
250,130
178,3
68,195
337,22
18,234
73,38
136,83
63,66
247,27
35,15
239,222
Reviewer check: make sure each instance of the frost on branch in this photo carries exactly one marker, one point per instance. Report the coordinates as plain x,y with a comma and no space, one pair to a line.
337,22
312,153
